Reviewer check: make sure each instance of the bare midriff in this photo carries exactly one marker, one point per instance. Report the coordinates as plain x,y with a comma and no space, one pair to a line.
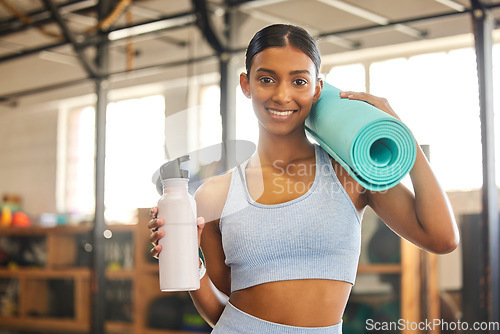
302,303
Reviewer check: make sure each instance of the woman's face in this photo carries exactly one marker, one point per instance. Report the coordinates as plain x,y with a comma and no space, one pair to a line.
283,86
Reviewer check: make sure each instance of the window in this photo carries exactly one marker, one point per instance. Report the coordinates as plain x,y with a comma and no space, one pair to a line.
247,126
78,185
348,77
436,96
209,120
135,139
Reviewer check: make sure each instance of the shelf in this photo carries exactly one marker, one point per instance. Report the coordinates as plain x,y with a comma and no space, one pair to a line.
66,259
66,325
121,227
45,273
120,274
119,327
382,268
150,268
40,231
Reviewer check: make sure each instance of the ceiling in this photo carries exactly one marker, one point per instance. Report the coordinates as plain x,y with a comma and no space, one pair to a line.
50,44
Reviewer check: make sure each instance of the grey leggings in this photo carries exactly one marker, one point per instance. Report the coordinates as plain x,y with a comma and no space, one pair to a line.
235,321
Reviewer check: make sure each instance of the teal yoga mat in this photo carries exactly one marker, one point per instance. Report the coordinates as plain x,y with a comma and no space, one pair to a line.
376,149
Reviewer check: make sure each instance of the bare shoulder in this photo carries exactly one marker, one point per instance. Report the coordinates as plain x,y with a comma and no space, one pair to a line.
211,196
356,192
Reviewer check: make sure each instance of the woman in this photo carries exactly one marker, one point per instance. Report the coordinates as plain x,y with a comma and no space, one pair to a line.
281,233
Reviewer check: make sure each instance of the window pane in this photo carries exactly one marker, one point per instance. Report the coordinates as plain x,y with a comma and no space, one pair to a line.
135,138
79,182
436,96
209,120
348,77
247,126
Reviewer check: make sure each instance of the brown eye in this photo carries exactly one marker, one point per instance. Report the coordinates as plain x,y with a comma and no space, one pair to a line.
300,82
266,80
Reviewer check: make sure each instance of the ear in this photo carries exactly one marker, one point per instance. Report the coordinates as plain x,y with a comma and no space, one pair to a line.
318,89
245,85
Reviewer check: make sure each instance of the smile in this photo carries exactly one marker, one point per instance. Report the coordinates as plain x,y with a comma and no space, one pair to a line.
281,113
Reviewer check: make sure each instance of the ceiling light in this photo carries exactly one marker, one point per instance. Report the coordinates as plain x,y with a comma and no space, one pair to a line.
151,27
452,4
357,11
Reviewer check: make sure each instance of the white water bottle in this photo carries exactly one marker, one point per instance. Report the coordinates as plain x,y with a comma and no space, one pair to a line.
178,259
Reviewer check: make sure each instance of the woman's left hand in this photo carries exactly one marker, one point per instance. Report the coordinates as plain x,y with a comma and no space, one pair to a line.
378,102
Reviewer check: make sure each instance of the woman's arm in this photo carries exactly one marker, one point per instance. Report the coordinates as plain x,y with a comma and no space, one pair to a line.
424,217
212,296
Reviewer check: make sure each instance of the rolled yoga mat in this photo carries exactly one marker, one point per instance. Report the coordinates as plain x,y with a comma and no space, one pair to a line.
376,149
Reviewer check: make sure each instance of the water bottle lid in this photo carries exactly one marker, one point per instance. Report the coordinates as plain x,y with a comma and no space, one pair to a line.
172,169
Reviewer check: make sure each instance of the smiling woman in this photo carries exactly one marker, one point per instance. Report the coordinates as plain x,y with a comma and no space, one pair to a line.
285,257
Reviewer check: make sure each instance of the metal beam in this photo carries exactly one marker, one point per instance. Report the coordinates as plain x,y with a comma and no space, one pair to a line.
183,19
99,263
205,26
42,17
89,67
113,77
483,25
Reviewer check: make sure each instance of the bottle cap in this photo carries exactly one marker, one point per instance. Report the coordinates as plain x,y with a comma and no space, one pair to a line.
172,169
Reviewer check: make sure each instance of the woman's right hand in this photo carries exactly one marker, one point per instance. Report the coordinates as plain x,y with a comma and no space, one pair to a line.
156,233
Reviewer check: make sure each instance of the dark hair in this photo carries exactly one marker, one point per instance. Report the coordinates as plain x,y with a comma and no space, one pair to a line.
281,35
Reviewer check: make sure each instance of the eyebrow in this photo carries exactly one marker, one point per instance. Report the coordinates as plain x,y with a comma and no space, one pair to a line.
262,69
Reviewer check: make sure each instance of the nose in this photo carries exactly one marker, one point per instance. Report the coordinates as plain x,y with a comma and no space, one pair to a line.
282,94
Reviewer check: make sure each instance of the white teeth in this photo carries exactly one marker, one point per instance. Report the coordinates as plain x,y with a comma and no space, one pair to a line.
280,113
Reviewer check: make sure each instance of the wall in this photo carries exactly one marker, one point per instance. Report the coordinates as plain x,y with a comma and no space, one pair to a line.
28,157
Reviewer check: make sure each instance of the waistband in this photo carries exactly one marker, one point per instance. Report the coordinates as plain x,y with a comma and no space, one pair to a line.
234,320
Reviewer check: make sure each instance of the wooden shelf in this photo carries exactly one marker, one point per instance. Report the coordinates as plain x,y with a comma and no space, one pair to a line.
120,274
63,258
122,227
42,231
66,325
119,327
150,268
45,273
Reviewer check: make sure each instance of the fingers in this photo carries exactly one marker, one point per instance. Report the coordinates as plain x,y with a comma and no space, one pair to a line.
156,233
155,251
200,222
378,102
155,223
155,236
362,96
153,213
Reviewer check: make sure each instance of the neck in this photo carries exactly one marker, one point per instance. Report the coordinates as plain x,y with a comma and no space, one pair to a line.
285,149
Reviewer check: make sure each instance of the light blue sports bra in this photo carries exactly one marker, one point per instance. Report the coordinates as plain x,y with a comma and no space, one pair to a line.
317,235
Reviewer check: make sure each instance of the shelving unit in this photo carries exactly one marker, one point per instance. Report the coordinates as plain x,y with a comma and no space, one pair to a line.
419,291
34,282
63,263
